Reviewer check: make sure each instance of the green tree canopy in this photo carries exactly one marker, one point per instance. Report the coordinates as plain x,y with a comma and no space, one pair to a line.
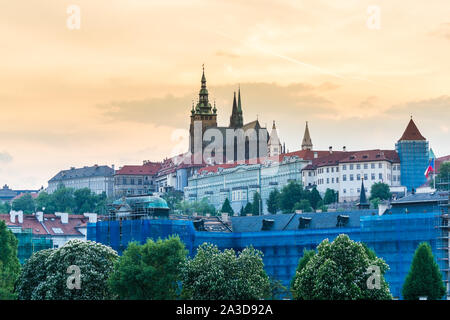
226,207
173,198
307,255
424,277
94,260
443,177
248,208
200,207
380,190
256,204
5,207
32,275
330,196
273,201
290,195
303,205
222,275
24,203
149,271
342,270
315,198
9,263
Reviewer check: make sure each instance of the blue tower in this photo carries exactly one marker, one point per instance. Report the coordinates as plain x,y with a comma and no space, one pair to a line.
413,151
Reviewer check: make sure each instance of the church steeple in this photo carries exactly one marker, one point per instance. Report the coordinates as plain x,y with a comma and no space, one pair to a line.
236,119
274,145
363,204
307,143
203,106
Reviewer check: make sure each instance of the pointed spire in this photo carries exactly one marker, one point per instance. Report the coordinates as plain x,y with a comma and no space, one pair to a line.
236,117
274,144
239,100
412,133
203,105
363,204
307,143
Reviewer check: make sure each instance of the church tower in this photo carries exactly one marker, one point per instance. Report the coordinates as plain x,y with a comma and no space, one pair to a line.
307,143
274,145
236,118
413,151
203,112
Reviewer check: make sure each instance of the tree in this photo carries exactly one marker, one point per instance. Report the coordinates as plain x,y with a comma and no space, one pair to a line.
342,270
307,255
443,176
5,207
9,263
226,207
273,201
303,205
248,208
256,205
424,277
221,275
380,190
32,275
375,202
25,203
290,195
173,198
201,207
149,271
315,198
330,196
94,261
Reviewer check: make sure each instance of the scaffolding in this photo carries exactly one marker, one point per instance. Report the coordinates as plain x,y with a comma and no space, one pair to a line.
443,242
29,244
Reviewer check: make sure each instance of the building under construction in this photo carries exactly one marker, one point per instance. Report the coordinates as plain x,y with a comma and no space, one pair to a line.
393,233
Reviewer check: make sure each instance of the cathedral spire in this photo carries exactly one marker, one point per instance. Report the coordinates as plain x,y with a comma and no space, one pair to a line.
307,143
274,145
203,105
236,120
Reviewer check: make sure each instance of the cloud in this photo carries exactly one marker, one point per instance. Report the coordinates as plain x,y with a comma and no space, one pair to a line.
258,98
5,157
442,31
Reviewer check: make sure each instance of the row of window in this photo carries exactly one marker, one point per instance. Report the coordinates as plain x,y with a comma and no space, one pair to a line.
132,181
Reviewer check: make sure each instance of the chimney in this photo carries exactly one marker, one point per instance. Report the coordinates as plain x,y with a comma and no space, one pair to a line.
344,148
92,217
40,216
64,216
224,217
331,149
13,214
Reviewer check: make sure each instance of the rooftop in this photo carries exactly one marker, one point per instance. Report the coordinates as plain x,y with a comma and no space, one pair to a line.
85,172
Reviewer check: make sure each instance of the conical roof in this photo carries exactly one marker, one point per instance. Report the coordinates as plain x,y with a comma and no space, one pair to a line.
412,133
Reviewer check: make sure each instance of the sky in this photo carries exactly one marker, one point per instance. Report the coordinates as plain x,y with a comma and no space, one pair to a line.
119,89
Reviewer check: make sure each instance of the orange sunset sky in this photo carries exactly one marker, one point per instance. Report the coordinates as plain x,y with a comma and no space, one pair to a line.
119,90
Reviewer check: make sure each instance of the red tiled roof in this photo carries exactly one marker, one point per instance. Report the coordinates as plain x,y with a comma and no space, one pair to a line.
51,221
302,154
149,168
411,132
34,195
372,155
181,161
440,161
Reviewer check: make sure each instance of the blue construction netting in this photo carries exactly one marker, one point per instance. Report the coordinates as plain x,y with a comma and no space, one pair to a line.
393,237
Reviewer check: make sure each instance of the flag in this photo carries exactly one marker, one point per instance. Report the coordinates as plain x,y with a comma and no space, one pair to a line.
430,168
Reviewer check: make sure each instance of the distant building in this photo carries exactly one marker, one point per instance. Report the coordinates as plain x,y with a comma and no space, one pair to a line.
175,172
413,151
343,171
8,195
97,178
43,231
206,115
132,180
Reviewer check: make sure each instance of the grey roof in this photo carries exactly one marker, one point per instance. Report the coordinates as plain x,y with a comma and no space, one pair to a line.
422,197
85,172
322,220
